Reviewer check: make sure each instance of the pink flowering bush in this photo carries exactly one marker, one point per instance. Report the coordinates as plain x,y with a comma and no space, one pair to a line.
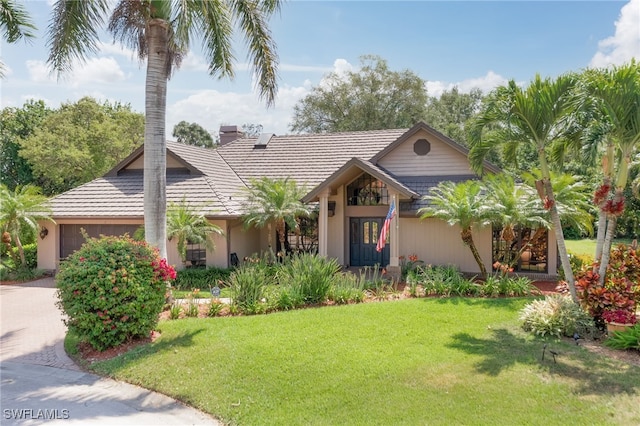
112,290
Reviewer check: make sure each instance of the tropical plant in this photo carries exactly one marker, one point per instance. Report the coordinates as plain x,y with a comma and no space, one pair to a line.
274,201
623,340
459,204
510,206
188,226
615,92
161,32
310,275
112,290
538,116
20,210
15,24
556,315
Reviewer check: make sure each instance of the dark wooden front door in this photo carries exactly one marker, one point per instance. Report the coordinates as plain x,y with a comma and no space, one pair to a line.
363,237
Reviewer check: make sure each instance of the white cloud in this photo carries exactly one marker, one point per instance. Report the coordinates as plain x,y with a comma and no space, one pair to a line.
625,43
485,83
342,66
39,72
116,49
211,108
94,71
193,62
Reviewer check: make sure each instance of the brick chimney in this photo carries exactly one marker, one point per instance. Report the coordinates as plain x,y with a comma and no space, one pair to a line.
230,134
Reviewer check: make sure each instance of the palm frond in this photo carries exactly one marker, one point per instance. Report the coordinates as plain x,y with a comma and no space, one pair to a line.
15,22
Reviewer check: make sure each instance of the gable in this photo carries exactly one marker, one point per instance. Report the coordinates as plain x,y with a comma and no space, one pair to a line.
138,163
425,154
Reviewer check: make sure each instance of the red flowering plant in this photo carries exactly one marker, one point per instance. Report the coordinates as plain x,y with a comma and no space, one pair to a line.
409,265
620,316
112,290
621,289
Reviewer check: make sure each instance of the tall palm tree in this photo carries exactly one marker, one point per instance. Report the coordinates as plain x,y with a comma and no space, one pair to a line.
616,94
19,209
15,24
188,226
459,204
274,201
161,31
538,116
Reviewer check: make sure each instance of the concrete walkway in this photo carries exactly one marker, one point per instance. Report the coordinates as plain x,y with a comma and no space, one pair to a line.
40,384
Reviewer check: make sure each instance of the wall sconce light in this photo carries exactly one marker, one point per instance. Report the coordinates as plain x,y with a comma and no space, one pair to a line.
331,208
43,232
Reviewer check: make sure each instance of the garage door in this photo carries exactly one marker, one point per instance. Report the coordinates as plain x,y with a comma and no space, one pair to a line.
71,237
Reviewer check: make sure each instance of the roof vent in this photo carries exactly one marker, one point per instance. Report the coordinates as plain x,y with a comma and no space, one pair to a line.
263,140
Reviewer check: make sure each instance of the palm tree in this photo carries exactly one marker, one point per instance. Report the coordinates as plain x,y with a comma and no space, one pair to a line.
537,116
459,204
274,201
15,24
188,226
510,206
21,209
616,94
161,32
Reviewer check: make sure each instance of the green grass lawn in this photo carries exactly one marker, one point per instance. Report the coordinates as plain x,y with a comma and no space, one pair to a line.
417,361
587,246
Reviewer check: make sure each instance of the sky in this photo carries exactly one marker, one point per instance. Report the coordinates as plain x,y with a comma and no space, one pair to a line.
467,44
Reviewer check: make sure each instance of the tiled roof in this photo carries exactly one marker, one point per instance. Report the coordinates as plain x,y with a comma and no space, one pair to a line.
308,159
422,185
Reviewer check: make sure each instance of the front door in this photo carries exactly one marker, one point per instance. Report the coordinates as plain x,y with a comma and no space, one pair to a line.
364,234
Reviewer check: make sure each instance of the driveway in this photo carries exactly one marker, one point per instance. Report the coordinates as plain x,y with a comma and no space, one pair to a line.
40,384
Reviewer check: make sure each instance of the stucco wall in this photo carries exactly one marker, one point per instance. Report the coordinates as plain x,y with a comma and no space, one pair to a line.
437,243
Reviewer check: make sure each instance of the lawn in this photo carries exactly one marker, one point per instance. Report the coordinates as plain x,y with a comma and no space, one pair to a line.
587,246
416,361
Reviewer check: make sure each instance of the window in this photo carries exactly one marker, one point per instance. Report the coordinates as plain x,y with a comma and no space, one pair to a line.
196,255
421,147
367,191
304,239
528,251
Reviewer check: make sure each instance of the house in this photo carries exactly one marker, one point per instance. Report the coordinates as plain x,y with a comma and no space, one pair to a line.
352,177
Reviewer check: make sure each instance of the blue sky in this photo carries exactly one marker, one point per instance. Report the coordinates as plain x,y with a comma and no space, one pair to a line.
465,43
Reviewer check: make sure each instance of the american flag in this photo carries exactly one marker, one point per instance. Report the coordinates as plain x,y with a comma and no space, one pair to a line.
382,241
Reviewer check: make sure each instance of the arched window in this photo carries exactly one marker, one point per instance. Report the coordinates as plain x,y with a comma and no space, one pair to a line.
367,191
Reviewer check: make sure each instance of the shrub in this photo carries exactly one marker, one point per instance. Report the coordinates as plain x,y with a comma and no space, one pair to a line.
112,290
308,275
348,288
215,308
556,315
30,255
203,278
623,340
247,284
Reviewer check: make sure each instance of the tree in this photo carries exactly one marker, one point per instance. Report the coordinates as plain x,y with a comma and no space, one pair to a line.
15,24
161,32
510,206
538,116
371,99
19,209
251,130
188,226
192,134
81,141
459,204
615,92
16,125
274,201
450,113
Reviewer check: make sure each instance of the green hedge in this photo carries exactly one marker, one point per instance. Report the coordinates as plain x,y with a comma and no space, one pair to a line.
202,278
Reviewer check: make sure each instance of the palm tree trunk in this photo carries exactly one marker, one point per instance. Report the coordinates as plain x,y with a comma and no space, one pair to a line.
562,248
606,249
467,239
155,144
23,260
602,229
